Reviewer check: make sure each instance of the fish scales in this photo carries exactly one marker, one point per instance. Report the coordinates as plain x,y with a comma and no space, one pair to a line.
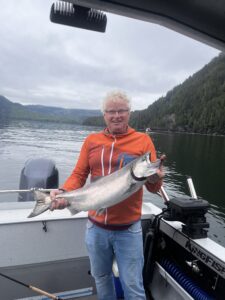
106,191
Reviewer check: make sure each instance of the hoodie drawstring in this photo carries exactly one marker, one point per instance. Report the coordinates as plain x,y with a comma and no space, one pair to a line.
110,167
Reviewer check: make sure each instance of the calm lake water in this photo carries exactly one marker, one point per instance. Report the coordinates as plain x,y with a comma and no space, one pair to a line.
199,156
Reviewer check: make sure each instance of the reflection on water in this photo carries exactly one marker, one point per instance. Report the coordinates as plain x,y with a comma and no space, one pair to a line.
199,156
202,158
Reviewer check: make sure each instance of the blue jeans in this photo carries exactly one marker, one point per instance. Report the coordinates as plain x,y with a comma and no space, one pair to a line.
127,246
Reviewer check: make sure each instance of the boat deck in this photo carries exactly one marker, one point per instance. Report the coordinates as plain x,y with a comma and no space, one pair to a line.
92,297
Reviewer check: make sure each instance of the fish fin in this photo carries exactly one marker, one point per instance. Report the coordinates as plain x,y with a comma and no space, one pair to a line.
95,179
100,211
43,202
131,188
72,210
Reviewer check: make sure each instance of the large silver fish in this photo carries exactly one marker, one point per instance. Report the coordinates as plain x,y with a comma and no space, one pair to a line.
104,192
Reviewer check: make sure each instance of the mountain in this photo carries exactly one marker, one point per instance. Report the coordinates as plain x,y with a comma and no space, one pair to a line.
16,111
197,105
4,108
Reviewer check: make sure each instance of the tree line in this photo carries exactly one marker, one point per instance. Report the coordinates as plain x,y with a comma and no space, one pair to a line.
16,111
197,105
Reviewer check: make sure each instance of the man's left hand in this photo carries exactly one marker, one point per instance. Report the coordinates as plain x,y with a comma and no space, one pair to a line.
159,173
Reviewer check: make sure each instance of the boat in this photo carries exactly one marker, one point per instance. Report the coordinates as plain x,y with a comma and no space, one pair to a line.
201,20
49,253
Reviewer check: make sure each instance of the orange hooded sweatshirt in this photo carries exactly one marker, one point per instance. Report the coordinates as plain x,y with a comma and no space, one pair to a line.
103,153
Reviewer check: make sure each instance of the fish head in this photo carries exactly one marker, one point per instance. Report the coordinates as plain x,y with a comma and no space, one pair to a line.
143,167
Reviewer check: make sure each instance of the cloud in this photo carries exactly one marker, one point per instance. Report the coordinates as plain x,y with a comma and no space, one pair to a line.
50,64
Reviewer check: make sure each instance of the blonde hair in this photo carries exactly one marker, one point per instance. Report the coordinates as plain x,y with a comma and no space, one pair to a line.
114,96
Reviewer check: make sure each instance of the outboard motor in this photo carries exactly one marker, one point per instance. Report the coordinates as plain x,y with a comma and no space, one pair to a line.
38,173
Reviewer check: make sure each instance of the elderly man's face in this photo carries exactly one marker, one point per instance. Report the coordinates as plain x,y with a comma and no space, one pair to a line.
117,116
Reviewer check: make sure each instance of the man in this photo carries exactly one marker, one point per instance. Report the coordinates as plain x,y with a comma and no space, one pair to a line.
117,232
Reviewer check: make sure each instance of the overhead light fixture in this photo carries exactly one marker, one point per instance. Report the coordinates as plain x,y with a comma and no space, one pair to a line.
66,13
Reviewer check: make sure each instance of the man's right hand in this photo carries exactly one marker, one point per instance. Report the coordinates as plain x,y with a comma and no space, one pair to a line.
57,203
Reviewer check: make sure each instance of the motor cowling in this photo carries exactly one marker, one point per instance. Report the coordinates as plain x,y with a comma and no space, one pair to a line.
38,173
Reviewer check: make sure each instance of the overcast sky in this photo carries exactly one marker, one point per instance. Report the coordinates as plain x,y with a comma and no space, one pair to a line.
50,64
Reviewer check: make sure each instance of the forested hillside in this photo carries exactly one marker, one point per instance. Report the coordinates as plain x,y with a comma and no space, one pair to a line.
197,105
16,111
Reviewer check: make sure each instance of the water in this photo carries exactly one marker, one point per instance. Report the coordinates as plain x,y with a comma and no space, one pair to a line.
199,156
203,158
20,141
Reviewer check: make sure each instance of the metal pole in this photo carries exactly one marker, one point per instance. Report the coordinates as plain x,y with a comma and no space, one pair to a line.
26,191
164,195
192,188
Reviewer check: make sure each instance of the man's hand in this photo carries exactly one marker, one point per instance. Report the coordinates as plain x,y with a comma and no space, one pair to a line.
59,203
159,173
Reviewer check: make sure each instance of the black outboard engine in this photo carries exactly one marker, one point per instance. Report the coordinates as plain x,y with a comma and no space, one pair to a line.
38,173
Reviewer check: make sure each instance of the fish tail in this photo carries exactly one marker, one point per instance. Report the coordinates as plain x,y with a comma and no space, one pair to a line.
42,204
